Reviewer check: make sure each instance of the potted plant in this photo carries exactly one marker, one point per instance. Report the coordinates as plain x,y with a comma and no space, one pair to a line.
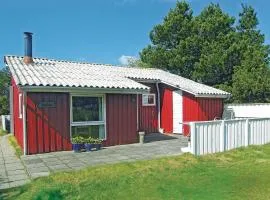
97,144
89,143
77,143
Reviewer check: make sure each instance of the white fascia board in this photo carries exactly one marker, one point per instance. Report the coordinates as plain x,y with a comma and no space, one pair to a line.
222,96
146,80
218,96
84,90
178,87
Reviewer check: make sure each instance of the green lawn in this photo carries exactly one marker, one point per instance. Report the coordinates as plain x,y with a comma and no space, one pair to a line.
239,174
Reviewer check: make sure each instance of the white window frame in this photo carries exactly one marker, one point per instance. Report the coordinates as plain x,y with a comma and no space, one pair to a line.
147,95
20,106
89,123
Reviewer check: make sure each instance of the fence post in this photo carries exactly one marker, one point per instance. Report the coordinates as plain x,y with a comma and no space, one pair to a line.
222,136
247,133
193,138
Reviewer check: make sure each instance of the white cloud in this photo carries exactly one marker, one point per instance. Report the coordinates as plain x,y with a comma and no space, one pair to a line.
125,60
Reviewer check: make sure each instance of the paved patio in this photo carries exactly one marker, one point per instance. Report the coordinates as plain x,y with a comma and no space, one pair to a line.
44,164
33,166
12,170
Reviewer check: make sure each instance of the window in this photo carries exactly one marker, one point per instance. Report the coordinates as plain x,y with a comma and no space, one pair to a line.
148,99
20,105
88,116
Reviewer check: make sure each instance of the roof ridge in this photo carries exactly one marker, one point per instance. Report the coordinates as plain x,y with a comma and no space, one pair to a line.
80,62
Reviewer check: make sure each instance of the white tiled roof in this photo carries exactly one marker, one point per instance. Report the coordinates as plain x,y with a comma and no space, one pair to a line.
46,72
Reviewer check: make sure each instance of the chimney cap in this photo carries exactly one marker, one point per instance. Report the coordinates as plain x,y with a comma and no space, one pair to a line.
28,33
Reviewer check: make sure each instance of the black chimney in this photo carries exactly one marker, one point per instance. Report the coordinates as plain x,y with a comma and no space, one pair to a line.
28,59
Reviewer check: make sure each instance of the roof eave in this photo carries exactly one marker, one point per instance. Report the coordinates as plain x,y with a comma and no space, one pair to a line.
178,87
83,89
221,96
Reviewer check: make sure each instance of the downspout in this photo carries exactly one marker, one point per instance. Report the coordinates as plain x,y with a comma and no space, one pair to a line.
24,124
158,104
11,109
137,112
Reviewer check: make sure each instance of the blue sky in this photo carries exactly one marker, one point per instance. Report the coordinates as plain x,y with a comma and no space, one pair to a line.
101,31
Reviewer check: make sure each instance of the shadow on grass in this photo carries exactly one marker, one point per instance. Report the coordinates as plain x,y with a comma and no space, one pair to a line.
48,194
11,193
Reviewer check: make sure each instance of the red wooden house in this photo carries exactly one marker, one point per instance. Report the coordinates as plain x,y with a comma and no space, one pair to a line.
53,100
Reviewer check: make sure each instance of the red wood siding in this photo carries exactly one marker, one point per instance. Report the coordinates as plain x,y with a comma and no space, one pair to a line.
121,119
148,115
48,129
200,109
18,122
166,105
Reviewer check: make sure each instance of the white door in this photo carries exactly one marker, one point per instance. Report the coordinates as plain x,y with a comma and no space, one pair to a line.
177,111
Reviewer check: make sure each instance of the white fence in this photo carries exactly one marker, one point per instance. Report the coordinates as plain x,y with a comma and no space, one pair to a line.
248,110
4,122
218,136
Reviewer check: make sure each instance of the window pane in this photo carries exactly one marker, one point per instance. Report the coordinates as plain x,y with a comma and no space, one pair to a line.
95,131
87,109
148,99
151,99
145,99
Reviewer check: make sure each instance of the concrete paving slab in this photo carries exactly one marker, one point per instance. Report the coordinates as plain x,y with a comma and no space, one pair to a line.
31,166
33,161
39,174
19,183
58,167
18,177
50,159
58,162
46,155
4,186
14,166
38,169
16,172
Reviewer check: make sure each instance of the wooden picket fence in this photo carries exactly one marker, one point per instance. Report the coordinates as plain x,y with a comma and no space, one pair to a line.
218,136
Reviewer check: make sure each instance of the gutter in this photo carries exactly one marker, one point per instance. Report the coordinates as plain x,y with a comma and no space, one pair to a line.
24,124
158,104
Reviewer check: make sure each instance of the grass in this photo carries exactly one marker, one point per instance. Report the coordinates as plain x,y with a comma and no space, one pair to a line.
2,132
15,145
238,174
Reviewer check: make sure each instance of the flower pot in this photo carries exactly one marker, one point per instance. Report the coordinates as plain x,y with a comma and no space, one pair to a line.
77,147
89,147
97,146
82,146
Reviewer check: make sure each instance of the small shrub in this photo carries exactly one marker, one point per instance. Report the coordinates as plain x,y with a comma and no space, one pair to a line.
89,140
77,140
98,141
